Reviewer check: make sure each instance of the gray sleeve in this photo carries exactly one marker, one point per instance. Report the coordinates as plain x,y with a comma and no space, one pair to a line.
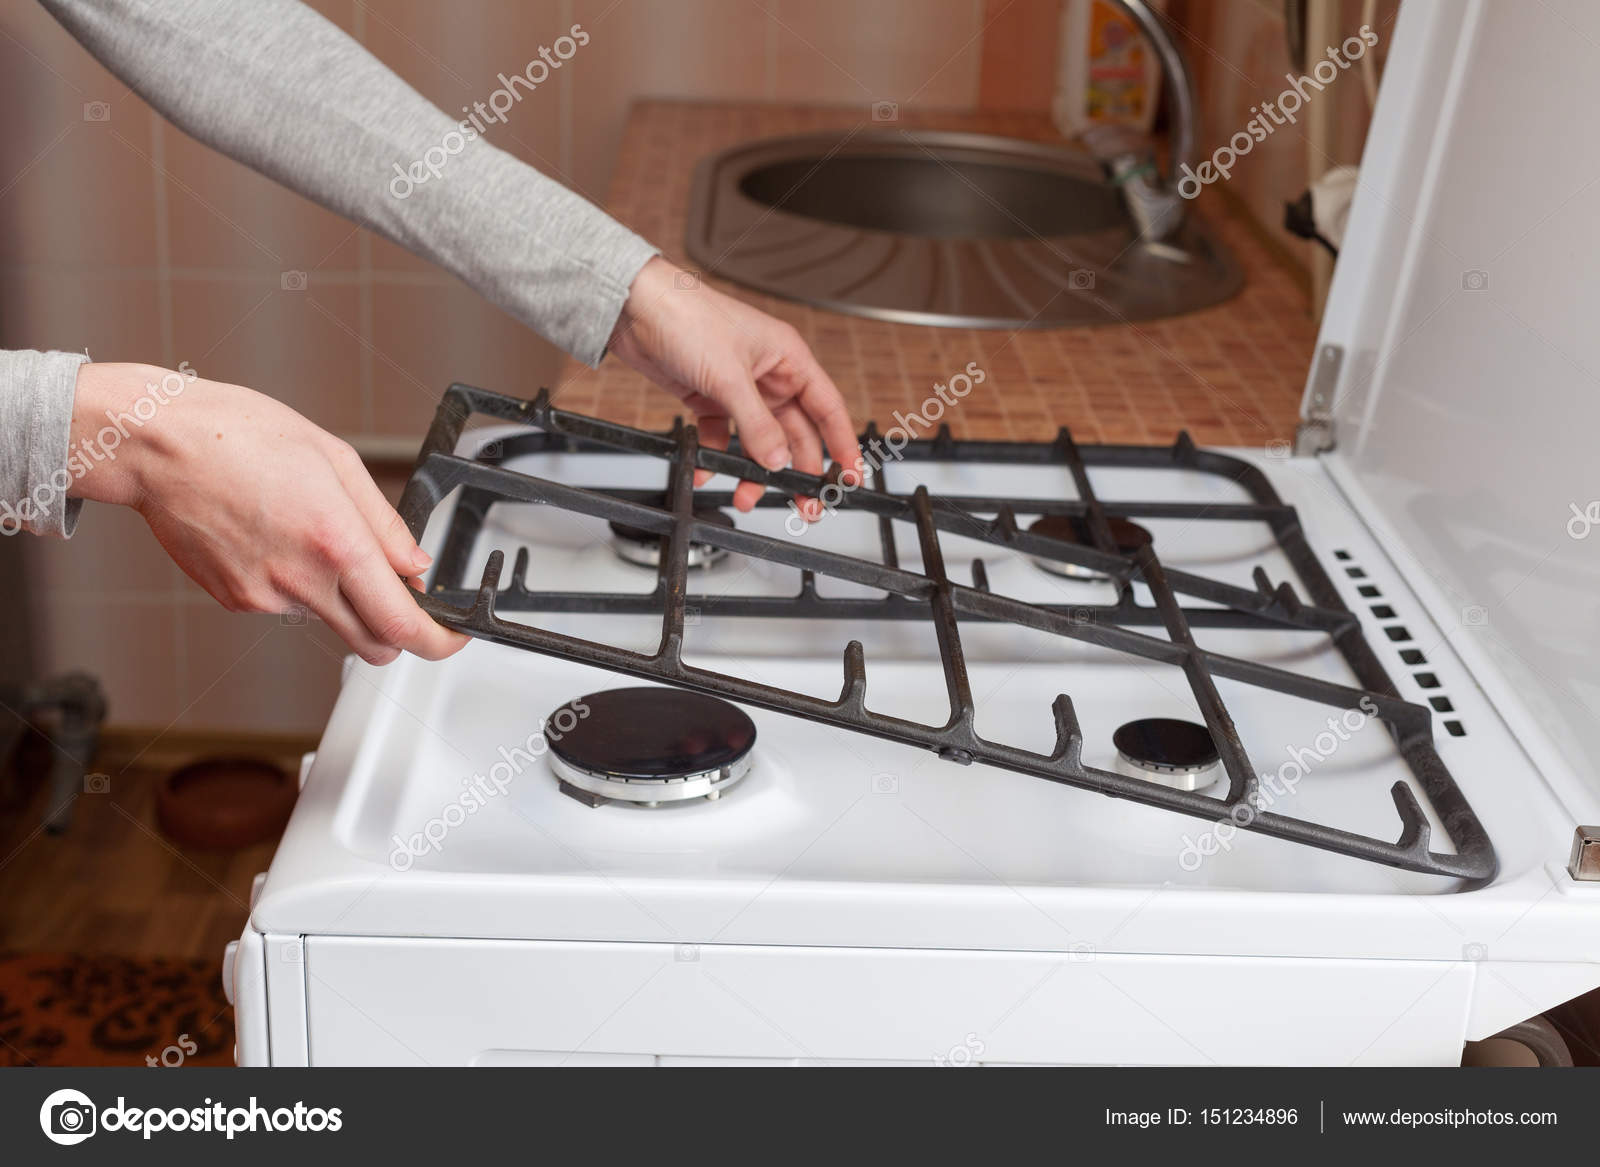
36,395
274,85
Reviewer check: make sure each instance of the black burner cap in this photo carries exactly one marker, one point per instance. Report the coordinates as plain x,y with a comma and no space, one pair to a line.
1165,743
1128,535
650,732
711,515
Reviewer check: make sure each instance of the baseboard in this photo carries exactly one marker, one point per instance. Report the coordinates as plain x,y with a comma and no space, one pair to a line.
159,748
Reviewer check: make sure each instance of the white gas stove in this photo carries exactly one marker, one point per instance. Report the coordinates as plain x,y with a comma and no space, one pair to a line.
645,882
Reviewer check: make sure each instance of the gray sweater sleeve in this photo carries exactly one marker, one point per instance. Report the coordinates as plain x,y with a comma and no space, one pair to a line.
274,85
36,395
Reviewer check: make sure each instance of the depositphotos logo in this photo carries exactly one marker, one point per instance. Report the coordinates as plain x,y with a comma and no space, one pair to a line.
69,1116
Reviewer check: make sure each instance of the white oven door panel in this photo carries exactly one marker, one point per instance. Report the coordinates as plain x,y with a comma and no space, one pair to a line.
383,1001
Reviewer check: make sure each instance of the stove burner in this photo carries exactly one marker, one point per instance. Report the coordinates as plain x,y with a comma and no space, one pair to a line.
650,745
644,547
1179,754
1129,537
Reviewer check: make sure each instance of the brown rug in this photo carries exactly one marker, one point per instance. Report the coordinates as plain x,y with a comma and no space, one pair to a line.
112,1011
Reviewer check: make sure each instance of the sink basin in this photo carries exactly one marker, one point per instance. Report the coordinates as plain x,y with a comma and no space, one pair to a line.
963,230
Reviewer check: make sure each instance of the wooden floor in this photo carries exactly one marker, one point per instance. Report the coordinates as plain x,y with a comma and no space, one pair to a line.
112,883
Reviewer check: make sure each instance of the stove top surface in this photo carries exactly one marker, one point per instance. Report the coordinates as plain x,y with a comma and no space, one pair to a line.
433,808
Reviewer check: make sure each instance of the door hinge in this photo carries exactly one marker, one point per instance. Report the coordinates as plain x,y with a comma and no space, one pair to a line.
1315,433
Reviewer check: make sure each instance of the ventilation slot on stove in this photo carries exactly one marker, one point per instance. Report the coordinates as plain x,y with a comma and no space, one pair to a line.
1401,635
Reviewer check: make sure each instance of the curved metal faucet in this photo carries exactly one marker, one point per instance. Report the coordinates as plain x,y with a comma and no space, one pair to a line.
1180,81
1155,206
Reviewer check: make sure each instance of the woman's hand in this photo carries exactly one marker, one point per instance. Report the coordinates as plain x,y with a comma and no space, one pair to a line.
730,363
256,505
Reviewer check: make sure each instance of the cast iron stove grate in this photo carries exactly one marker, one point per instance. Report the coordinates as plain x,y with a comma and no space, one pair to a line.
933,596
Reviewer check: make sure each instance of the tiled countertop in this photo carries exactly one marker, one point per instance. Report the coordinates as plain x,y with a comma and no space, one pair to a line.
1231,375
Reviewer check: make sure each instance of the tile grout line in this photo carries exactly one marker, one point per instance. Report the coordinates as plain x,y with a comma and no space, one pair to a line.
564,101
169,357
366,316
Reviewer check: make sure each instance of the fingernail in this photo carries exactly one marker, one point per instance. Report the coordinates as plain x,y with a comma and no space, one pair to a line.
420,559
777,460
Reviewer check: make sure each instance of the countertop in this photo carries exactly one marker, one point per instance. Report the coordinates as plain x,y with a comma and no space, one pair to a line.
1231,375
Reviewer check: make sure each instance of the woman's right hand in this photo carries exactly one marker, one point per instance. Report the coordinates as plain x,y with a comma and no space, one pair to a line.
257,505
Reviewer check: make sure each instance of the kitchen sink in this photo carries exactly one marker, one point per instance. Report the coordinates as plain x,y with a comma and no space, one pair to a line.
954,229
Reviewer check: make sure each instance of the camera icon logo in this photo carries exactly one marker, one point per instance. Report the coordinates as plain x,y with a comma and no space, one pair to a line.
1475,952
886,111
491,451
686,953
885,784
1279,449
1475,616
293,281
1475,280
686,281
97,783
1081,280
67,1117
96,111
294,616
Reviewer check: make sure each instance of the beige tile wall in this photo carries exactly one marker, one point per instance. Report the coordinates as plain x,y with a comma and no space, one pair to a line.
121,236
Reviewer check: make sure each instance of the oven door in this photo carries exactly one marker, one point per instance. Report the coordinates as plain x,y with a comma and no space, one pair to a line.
1454,372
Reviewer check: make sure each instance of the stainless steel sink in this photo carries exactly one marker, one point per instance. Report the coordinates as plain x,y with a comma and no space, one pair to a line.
963,230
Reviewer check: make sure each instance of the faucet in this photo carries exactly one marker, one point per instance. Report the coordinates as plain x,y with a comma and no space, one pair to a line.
1153,201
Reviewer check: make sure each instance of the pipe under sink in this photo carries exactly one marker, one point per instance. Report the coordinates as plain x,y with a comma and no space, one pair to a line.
955,229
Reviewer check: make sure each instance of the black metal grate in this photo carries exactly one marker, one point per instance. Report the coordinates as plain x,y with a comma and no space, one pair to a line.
931,595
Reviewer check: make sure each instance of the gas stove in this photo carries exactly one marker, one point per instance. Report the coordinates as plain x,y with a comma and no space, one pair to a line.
1031,753
505,821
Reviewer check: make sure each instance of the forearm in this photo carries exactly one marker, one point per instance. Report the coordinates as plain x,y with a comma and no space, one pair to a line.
274,85
36,470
